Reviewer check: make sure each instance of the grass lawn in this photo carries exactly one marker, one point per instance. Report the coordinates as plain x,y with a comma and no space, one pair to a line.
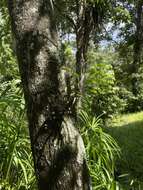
128,132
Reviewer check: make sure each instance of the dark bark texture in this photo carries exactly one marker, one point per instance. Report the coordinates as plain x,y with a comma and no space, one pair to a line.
138,48
83,29
57,147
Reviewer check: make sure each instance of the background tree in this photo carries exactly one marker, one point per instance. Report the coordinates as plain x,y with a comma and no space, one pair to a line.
138,44
83,19
129,46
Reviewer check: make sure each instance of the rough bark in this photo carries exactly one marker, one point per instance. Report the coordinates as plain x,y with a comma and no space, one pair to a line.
57,147
84,27
138,47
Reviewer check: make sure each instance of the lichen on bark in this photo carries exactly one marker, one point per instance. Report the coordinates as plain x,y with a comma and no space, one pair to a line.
57,147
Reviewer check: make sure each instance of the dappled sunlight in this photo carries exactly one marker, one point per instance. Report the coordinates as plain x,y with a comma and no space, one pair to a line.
123,120
76,69
128,132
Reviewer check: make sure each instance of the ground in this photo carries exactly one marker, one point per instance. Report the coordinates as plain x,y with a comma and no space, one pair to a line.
128,132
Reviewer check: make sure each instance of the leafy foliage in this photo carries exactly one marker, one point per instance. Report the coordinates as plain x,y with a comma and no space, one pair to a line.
107,91
101,89
16,164
101,149
8,62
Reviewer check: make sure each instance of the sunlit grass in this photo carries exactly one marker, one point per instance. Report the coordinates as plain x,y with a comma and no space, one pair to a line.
128,119
128,132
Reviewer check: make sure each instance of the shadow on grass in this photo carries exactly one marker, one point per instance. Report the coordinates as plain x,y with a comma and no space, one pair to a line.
130,139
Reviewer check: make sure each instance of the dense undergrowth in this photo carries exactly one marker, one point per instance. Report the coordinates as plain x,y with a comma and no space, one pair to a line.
16,165
110,168
102,151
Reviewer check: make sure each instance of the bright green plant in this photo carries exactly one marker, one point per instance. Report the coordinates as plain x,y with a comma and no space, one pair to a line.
100,88
102,151
8,65
16,165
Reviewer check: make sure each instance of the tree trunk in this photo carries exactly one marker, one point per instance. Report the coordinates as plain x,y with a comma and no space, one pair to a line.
57,147
84,28
138,47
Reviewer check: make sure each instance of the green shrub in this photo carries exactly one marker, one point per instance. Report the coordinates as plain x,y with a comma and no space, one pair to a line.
102,151
131,103
101,91
16,164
